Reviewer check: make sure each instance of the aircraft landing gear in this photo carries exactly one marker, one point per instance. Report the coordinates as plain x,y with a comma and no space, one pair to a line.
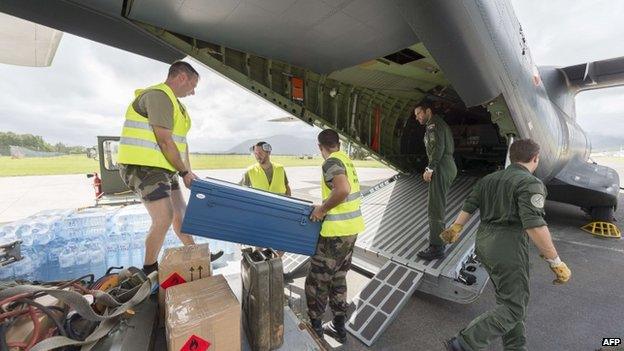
602,213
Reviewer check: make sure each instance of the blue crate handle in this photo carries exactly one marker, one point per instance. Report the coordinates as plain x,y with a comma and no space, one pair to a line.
306,215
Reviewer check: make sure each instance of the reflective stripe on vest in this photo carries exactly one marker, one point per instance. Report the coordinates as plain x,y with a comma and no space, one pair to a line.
259,180
346,218
343,216
138,144
147,126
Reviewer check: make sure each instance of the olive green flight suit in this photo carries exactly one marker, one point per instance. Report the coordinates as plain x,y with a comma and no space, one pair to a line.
510,201
440,147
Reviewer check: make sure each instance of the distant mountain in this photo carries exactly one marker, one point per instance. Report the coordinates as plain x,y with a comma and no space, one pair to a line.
604,142
282,145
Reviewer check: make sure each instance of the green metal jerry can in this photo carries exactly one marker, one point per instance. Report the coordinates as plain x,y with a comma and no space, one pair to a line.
263,299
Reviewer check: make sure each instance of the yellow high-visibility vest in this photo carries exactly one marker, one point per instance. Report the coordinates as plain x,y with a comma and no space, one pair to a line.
138,145
259,180
346,218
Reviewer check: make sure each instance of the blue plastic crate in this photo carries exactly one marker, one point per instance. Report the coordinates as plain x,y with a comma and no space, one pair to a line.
226,211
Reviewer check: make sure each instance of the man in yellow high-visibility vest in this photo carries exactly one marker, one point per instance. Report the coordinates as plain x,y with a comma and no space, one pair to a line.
266,175
342,222
153,151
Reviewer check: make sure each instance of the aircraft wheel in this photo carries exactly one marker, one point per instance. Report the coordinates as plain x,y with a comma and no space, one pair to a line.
603,213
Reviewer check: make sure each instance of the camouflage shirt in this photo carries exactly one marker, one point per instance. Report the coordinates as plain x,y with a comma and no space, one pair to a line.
331,168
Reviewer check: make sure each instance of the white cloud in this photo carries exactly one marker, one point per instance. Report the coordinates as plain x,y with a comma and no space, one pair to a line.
87,89
563,32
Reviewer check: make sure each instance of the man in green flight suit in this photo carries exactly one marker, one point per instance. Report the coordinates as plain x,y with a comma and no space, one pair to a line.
511,205
440,173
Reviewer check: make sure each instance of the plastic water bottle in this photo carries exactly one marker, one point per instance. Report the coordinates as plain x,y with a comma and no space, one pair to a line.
7,230
8,239
38,257
24,268
125,258
6,272
67,257
24,233
137,256
124,241
112,258
82,255
42,233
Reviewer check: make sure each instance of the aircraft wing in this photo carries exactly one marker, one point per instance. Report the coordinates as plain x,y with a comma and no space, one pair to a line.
97,20
596,75
311,34
25,43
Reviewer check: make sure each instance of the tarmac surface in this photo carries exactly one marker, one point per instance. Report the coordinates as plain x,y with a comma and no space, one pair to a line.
576,316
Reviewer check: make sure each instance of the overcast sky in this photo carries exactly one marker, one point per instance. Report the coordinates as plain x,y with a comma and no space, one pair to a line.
86,90
564,33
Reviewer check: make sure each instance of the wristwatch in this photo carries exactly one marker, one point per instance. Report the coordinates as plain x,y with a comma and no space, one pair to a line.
183,173
427,169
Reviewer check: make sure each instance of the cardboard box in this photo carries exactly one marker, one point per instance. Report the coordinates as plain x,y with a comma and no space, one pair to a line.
180,265
22,329
203,315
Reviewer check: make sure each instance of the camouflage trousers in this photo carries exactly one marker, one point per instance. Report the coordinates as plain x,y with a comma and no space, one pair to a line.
327,277
149,183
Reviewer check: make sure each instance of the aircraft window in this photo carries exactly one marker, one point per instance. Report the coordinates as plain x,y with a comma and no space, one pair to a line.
404,56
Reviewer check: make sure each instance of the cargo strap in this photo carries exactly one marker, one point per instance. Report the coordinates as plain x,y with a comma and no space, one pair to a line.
77,301
56,342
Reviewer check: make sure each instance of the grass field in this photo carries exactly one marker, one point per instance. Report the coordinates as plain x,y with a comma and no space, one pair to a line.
77,164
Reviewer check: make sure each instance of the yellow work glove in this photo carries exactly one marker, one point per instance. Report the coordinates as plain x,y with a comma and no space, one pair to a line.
450,235
562,272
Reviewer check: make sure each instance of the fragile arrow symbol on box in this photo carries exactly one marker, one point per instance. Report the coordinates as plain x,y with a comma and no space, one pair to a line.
192,270
200,268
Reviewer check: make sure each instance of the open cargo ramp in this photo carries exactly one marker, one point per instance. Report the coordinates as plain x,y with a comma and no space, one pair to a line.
397,228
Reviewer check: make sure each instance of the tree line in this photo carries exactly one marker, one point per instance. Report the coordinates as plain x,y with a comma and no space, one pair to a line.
34,142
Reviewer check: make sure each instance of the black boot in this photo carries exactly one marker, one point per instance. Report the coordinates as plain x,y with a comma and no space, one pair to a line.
432,253
149,268
453,345
215,256
317,326
336,329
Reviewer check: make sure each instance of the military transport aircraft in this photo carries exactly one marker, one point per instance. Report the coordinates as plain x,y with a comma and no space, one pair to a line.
360,67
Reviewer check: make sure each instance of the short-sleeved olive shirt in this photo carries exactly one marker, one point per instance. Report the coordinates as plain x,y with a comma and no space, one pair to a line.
512,196
156,106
